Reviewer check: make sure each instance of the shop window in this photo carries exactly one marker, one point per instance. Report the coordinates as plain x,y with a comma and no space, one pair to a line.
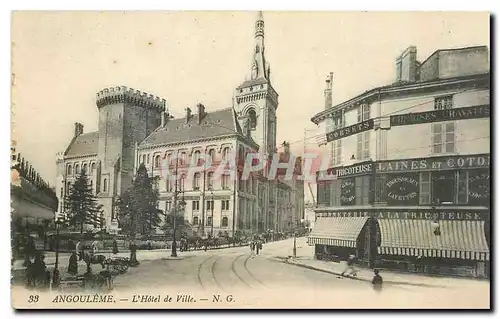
461,179
348,191
443,187
381,189
478,189
225,221
196,205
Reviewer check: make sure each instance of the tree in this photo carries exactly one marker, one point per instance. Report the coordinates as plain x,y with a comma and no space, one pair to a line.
138,211
82,206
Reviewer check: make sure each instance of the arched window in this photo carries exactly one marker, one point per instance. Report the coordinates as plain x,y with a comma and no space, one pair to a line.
241,153
210,180
85,168
196,181
69,170
92,185
77,169
225,222
144,159
225,153
252,119
195,221
211,153
196,157
182,183
169,159
225,181
157,161
105,185
183,158
148,158
92,168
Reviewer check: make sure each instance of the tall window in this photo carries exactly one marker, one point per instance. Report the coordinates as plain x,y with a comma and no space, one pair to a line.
210,180
337,152
77,169
144,158
92,168
196,157
92,185
363,113
225,153
362,190
68,187
225,181
210,205
182,183
168,185
462,187
196,181
225,221
363,146
443,134
196,205
443,138
148,158
195,221
157,161
211,153
209,221
85,168
183,158
105,185
225,205
69,170
62,190
425,188
168,206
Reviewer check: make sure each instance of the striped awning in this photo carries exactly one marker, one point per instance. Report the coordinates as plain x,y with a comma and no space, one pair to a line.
336,231
463,239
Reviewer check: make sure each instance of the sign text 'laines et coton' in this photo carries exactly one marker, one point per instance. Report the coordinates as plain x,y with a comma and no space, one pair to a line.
436,163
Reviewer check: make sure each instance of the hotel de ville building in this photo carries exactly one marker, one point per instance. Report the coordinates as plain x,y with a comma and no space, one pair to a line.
136,127
408,186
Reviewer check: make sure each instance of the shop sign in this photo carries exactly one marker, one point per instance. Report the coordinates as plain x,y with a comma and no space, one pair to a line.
463,113
347,192
402,189
435,163
354,170
429,215
349,130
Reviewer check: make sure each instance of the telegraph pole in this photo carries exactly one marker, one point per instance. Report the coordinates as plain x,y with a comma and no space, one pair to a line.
174,243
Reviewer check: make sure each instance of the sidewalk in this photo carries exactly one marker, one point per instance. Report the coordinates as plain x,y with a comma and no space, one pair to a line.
305,259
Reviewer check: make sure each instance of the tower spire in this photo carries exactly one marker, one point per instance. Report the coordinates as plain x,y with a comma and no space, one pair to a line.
259,25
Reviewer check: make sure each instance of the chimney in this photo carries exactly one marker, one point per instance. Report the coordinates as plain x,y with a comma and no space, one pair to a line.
406,65
78,129
328,91
286,147
163,116
201,112
188,114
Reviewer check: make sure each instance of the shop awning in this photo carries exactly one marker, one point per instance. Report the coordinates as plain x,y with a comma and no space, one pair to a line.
336,231
459,239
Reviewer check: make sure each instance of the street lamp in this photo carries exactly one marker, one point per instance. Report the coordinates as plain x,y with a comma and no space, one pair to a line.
212,215
60,219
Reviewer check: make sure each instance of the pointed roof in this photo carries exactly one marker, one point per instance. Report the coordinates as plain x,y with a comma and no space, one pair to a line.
83,145
218,123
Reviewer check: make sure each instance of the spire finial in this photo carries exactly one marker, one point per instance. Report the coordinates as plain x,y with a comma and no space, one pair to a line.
259,25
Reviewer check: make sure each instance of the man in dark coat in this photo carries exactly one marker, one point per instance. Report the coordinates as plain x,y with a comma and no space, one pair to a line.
377,280
115,247
73,264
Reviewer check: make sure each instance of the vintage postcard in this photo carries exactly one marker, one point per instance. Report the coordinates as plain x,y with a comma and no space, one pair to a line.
250,160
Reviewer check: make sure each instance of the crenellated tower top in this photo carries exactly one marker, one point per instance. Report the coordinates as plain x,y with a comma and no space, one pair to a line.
123,94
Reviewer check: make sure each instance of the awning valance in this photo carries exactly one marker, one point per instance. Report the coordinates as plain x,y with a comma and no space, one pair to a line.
337,231
463,239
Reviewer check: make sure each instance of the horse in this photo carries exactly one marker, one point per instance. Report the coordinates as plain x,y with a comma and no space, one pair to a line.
90,258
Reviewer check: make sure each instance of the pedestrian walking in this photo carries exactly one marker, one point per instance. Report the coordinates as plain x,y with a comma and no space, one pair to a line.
349,269
115,247
377,280
73,264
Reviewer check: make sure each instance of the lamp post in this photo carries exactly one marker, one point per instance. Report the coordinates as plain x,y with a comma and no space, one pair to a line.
55,275
212,215
174,242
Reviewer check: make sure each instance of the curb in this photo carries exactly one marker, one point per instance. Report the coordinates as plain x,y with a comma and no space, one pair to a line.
401,283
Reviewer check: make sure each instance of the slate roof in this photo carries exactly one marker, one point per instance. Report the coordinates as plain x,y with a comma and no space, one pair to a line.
85,144
253,82
213,124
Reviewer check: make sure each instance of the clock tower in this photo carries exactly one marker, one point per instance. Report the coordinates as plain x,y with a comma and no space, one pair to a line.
256,100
